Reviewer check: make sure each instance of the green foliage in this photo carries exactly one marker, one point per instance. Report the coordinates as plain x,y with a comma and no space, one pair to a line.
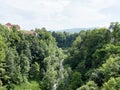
28,86
95,54
64,39
115,27
2,59
65,82
34,71
76,42
75,81
25,67
13,68
85,46
2,49
31,60
28,57
112,84
111,68
89,86
97,76
48,80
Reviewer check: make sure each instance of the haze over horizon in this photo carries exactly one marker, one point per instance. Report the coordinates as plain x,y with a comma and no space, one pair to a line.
59,14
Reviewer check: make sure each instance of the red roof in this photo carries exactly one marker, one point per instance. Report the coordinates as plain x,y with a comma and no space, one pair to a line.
9,25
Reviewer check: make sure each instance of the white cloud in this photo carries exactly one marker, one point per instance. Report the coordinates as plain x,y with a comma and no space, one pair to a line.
56,14
101,4
38,6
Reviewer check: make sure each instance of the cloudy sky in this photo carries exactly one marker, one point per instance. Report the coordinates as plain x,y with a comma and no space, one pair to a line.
59,14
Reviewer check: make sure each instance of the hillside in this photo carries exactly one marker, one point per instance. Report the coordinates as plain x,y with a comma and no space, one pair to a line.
43,60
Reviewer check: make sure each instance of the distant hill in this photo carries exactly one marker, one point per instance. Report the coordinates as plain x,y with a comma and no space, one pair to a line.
74,30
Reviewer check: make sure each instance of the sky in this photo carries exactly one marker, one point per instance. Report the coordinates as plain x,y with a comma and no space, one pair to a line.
59,14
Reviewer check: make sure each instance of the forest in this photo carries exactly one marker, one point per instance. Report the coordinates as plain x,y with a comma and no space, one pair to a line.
46,60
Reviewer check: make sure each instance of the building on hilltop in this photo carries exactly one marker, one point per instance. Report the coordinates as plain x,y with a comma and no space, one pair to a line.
10,26
26,32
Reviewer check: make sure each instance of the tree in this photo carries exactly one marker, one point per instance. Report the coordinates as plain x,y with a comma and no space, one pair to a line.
13,68
64,39
89,86
34,71
2,49
115,28
111,68
75,81
25,67
2,59
97,76
112,84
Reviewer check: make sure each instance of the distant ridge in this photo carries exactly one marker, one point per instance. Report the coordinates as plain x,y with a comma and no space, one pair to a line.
74,30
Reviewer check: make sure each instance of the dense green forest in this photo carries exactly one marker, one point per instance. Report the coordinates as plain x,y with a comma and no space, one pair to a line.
44,60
